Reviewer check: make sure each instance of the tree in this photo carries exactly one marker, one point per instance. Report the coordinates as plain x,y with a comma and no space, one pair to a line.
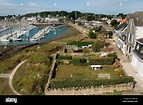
98,45
114,23
110,33
122,15
91,35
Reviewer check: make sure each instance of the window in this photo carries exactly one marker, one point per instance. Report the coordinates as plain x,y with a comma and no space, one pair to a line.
137,46
131,24
130,38
130,49
137,18
141,50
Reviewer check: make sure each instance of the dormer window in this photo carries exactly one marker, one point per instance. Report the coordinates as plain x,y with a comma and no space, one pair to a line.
138,46
137,18
141,50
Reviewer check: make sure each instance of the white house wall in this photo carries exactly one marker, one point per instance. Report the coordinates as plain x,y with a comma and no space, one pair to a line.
138,65
139,32
121,45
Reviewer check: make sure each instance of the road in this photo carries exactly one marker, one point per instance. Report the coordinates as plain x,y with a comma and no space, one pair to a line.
12,75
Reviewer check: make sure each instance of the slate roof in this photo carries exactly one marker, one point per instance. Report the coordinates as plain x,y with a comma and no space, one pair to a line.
137,17
138,51
140,41
121,26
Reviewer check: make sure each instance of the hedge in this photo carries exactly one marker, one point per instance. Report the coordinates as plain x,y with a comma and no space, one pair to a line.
114,56
88,83
65,57
101,61
79,61
80,43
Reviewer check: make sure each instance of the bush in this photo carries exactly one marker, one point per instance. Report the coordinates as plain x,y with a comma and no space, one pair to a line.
98,45
92,35
119,72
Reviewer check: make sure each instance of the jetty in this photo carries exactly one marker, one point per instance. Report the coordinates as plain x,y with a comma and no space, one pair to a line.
41,34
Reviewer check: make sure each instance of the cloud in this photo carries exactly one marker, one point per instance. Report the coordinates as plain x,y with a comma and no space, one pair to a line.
33,4
7,3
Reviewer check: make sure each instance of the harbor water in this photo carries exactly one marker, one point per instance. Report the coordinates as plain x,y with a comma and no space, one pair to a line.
57,32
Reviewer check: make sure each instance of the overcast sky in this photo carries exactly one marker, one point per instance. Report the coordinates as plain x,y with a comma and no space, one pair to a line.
15,7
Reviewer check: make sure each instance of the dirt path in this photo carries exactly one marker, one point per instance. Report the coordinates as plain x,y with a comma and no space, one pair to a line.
11,77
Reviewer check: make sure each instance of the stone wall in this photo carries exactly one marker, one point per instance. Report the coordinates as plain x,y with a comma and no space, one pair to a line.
51,71
78,54
90,91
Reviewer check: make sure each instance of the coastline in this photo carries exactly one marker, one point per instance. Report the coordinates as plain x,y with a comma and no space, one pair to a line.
10,50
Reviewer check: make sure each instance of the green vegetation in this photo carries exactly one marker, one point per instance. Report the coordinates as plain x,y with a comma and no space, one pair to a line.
82,72
32,76
64,57
119,72
114,56
92,35
9,64
98,44
114,23
4,87
80,43
88,83
101,61
79,61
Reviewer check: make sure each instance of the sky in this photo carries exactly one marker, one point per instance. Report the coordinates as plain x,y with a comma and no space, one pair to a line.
15,7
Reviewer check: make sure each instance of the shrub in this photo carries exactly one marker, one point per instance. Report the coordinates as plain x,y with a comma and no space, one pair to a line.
114,56
65,57
101,61
79,61
119,72
92,35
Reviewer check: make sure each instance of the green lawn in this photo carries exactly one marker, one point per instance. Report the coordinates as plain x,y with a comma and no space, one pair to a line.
4,87
32,76
82,72
70,38
43,47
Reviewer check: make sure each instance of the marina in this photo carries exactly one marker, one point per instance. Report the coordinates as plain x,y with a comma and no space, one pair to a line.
41,34
32,34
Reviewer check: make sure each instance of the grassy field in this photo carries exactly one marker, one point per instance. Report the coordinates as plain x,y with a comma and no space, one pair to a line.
82,72
25,79
4,87
43,47
32,76
70,38
89,40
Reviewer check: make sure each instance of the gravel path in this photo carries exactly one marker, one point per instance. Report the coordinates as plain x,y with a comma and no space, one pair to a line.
12,75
